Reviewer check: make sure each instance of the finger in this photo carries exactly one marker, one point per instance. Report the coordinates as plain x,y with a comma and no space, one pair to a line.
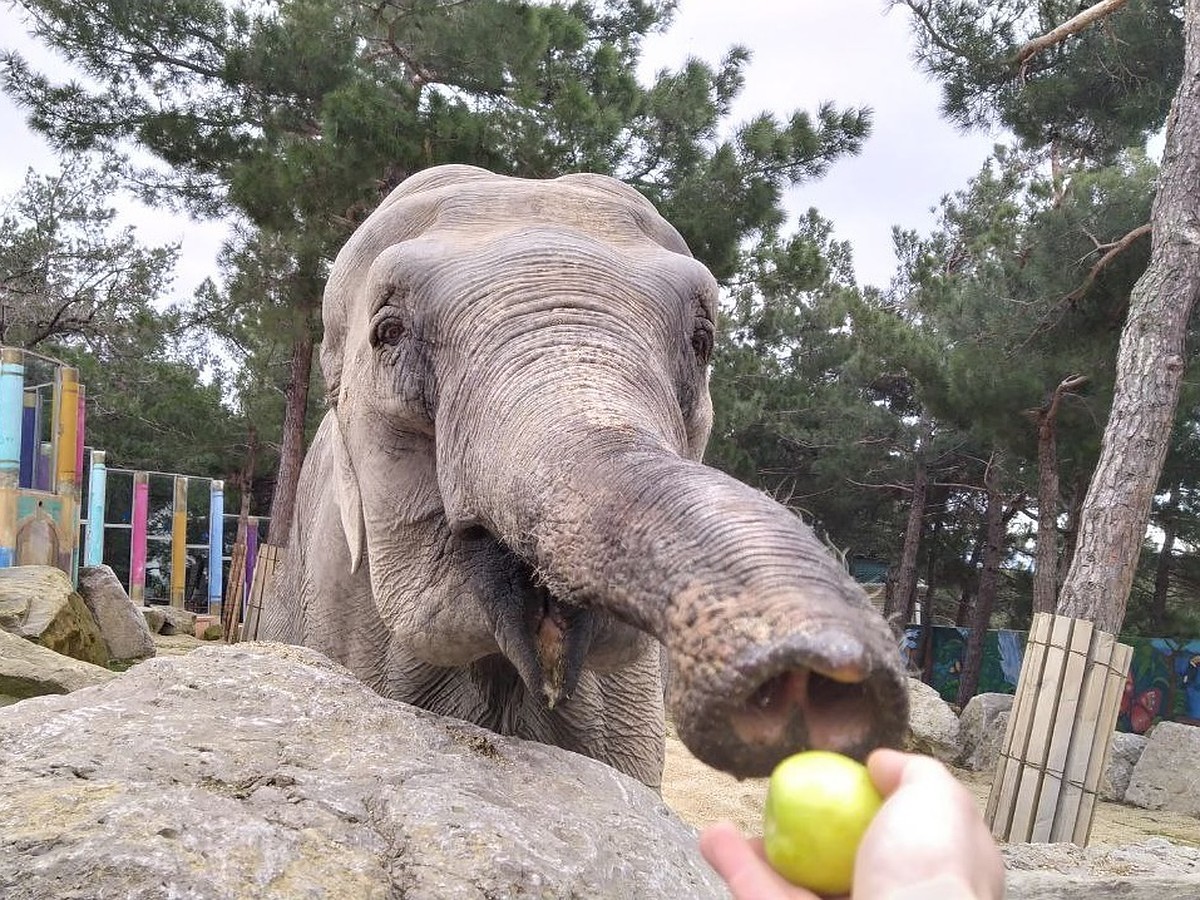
889,769
886,768
747,874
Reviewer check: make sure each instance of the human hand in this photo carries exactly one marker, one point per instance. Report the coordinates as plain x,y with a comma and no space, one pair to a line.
928,840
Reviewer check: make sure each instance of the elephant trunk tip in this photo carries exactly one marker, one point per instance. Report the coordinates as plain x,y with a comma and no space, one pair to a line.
799,697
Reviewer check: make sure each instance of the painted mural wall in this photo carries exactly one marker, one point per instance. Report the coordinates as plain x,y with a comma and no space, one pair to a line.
1163,682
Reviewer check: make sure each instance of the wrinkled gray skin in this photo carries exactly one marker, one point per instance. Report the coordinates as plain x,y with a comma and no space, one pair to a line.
504,511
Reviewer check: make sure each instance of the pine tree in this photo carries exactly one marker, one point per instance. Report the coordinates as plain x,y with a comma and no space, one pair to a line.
297,116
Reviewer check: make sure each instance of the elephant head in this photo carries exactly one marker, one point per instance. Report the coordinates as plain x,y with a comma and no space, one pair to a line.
518,376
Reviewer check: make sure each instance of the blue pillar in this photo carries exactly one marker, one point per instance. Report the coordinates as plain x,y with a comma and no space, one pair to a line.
93,551
216,545
12,384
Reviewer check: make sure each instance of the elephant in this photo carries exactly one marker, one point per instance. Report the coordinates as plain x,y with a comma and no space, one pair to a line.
504,515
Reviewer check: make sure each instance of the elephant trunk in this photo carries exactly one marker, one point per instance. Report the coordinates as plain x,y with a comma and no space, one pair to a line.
772,647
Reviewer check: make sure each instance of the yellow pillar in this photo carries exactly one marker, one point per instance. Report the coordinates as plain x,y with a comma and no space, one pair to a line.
179,540
66,478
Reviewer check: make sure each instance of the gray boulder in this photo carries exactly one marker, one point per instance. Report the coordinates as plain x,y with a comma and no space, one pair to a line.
38,603
1152,870
1166,775
981,731
933,726
122,626
261,770
155,618
175,620
30,670
1126,751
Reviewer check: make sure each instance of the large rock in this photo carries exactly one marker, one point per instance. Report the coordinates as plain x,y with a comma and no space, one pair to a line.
932,725
259,770
1126,751
1167,775
1152,870
30,670
122,626
174,619
981,731
38,603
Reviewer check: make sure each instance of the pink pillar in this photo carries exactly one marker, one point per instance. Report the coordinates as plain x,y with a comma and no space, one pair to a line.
137,538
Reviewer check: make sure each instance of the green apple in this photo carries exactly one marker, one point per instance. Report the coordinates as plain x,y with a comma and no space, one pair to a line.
819,805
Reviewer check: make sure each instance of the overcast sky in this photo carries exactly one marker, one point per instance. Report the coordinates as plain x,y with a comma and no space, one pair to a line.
851,52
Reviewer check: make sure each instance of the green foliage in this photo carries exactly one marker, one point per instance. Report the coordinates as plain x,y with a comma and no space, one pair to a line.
68,272
1094,94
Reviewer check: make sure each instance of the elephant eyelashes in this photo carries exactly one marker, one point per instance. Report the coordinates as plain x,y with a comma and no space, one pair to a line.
388,332
702,342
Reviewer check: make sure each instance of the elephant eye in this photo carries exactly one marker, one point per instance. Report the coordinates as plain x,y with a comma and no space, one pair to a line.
389,331
702,341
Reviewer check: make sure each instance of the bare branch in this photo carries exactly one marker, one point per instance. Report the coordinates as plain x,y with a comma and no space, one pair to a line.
1112,251
1073,25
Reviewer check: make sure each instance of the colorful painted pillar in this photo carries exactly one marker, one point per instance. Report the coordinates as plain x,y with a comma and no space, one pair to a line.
12,383
31,430
93,549
179,541
216,545
137,538
43,473
66,473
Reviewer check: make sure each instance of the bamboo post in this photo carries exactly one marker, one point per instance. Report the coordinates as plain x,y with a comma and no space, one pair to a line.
12,383
1059,732
216,544
93,551
137,538
179,542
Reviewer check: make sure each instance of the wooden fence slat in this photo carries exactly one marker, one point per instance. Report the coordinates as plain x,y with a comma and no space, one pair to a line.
1012,752
1080,790
1060,732
231,609
1110,706
1063,710
1041,730
268,559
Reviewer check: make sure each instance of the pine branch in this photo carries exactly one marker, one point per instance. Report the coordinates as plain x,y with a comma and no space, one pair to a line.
1113,250
1072,26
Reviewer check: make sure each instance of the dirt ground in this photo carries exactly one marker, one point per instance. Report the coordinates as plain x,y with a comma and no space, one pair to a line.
700,796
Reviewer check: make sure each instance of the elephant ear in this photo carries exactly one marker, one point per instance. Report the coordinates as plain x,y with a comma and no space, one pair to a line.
349,497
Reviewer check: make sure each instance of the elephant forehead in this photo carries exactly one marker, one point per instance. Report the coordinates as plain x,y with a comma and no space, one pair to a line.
536,263
595,205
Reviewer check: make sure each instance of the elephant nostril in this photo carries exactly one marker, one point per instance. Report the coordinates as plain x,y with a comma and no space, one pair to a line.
803,709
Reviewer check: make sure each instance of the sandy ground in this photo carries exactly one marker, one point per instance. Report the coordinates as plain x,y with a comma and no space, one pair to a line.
701,795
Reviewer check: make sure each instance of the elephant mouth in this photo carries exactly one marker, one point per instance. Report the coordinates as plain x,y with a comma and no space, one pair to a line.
546,639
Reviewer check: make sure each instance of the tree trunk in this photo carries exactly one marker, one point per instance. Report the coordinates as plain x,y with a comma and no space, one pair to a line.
927,623
1071,530
291,449
1162,572
1150,367
970,585
989,579
1045,570
906,580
